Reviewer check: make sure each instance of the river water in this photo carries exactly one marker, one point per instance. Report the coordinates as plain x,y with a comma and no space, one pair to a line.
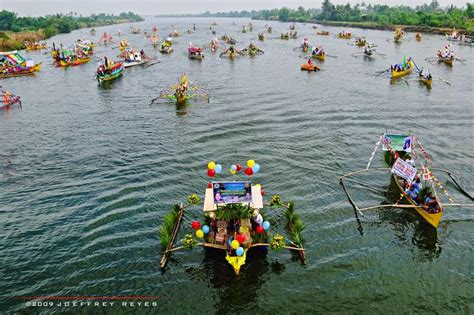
89,172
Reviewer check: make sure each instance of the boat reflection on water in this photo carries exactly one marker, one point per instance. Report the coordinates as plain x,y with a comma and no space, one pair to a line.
182,109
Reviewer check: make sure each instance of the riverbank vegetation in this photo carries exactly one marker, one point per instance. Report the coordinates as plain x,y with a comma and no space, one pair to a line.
15,30
426,15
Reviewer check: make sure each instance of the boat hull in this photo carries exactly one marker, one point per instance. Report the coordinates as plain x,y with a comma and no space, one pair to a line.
432,218
76,62
307,67
320,57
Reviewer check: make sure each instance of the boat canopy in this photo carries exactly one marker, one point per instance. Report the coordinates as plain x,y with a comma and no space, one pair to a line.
223,193
12,57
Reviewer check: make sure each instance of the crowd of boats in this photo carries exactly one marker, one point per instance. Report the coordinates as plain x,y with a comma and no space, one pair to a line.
12,64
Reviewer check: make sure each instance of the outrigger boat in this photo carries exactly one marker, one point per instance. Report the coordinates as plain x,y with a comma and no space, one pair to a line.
417,187
398,35
109,71
35,46
12,64
231,51
9,99
323,33
232,221
425,78
344,35
261,36
285,36
318,53
402,69
360,42
166,46
309,66
195,52
182,91
447,56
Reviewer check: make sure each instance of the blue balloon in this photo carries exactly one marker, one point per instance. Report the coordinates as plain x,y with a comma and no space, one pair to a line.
266,225
205,229
230,240
218,168
239,251
234,167
256,168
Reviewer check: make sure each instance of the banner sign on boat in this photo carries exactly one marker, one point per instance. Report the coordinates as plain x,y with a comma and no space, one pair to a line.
232,192
404,170
397,142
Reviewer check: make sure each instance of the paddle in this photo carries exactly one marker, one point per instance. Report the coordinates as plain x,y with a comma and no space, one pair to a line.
332,56
445,81
377,73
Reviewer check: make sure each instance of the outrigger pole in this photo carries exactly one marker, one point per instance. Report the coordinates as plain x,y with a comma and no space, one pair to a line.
177,223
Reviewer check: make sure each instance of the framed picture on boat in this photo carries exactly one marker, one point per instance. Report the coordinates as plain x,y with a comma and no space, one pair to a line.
397,142
404,170
232,192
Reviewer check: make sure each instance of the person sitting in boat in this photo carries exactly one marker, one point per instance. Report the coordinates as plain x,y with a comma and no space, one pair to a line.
305,42
412,193
7,97
310,63
417,184
432,206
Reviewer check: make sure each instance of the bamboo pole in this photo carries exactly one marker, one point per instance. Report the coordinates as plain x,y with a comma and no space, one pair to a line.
413,206
167,253
455,182
349,196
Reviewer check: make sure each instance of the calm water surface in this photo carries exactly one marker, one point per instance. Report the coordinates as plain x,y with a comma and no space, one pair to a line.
88,173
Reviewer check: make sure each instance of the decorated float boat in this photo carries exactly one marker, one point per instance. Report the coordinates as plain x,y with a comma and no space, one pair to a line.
402,69
233,220
344,35
12,64
182,91
410,169
109,71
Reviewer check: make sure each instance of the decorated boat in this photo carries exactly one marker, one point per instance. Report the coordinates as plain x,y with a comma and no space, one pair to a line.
106,38
344,35
9,99
233,220
323,33
74,61
195,52
269,30
214,45
261,36
285,36
182,91
418,36
123,44
402,69
411,173
318,53
174,33
109,71
252,50
309,67
166,46
35,46
425,78
447,55
397,37
12,64
360,41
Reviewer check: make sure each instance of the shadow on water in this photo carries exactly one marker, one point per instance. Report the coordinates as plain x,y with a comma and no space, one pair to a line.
243,289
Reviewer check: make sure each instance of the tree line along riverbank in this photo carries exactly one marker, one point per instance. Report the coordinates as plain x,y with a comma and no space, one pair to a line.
14,30
424,18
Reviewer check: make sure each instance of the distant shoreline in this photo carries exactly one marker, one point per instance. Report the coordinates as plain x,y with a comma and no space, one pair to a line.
406,28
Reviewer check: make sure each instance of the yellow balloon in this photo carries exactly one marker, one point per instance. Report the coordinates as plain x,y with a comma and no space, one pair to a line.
250,163
211,165
235,244
200,233
258,185
232,171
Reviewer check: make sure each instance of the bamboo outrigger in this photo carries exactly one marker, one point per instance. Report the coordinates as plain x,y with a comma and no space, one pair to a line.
232,221
423,197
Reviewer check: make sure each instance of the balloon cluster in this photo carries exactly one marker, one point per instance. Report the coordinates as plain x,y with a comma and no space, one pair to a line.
252,168
200,231
236,244
213,169
263,227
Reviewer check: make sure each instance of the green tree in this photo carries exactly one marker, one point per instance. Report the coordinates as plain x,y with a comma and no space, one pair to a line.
284,14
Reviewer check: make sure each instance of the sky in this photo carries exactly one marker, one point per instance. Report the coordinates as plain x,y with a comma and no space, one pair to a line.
154,7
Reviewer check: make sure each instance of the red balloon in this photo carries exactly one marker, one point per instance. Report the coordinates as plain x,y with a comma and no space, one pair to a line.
240,238
260,229
239,167
248,171
211,173
209,185
196,225
263,192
